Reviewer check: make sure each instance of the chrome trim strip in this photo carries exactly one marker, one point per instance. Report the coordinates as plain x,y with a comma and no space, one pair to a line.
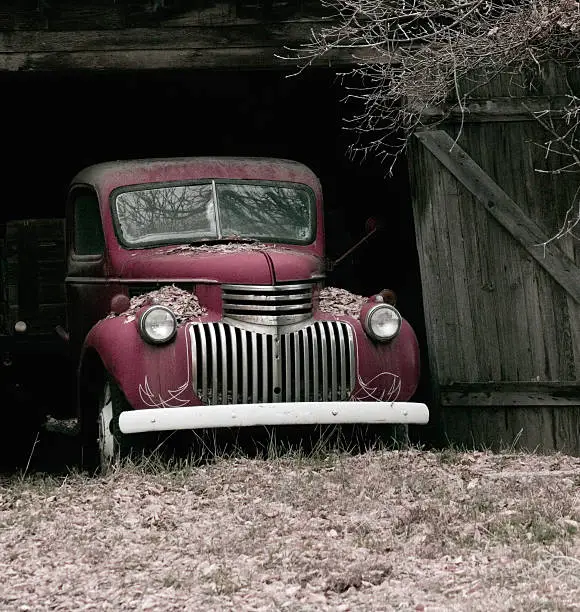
297,365
343,357
244,343
306,362
193,356
225,369
324,349
288,366
267,308
277,374
264,348
203,345
267,288
270,320
315,387
332,345
255,376
214,370
234,344
352,345
240,297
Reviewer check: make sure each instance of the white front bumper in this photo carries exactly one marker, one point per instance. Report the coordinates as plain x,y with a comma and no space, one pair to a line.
291,413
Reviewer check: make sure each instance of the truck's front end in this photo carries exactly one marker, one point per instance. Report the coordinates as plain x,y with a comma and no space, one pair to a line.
220,313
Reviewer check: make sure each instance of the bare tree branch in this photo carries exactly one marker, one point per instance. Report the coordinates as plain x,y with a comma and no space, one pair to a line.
415,55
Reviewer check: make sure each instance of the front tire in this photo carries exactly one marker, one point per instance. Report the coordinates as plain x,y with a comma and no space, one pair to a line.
112,444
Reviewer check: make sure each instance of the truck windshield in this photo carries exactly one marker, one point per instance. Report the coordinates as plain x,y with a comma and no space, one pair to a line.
215,211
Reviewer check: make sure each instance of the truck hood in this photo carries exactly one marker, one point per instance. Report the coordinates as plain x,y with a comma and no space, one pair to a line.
249,267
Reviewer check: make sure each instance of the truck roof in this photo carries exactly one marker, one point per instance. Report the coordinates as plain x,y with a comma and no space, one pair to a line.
110,175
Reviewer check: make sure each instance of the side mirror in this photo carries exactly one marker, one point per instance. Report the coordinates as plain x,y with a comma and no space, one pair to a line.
372,226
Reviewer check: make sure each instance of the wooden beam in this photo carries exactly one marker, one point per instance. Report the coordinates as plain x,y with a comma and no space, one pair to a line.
516,394
503,209
172,59
236,34
503,109
237,45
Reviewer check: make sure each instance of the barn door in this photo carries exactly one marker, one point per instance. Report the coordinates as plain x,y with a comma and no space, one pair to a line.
502,303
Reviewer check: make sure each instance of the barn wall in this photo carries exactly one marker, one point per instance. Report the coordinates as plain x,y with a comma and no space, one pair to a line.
504,334
155,34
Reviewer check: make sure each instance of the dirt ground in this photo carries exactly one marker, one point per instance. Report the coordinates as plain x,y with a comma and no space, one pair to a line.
390,530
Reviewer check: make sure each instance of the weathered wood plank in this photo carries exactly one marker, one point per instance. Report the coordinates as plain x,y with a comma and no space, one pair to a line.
98,14
534,299
166,59
505,258
510,394
466,368
482,287
275,34
503,209
83,17
553,78
531,428
440,319
496,110
502,262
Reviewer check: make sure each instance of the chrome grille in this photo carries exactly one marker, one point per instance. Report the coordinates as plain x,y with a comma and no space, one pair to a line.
235,366
268,304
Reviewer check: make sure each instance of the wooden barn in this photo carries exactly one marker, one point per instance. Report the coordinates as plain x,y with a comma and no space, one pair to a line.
467,212
502,299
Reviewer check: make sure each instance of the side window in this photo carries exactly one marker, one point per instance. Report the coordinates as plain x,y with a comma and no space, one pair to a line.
88,230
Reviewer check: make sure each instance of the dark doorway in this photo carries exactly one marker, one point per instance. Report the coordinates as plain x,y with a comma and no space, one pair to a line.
62,122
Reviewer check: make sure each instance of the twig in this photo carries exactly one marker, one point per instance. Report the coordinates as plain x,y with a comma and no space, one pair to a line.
30,456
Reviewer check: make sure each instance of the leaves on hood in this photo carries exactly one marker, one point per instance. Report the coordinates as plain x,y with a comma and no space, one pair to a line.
340,301
184,304
228,247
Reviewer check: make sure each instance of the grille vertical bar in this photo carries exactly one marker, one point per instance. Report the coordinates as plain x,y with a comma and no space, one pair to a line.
244,355
255,374
324,360
264,368
224,364
306,364
343,362
315,373
332,350
234,352
214,385
297,365
287,367
205,357
233,365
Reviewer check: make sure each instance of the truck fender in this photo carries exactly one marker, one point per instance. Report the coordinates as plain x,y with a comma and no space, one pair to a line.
148,375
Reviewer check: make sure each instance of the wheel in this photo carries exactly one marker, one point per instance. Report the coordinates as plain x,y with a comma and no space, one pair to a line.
112,444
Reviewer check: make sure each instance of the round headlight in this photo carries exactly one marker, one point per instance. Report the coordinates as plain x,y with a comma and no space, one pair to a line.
382,322
157,325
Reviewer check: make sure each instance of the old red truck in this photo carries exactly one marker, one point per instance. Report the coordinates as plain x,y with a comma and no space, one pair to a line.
196,298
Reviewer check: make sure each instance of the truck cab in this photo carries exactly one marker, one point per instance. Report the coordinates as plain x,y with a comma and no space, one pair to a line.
196,298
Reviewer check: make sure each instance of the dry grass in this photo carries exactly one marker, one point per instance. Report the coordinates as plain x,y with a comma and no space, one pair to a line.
393,530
